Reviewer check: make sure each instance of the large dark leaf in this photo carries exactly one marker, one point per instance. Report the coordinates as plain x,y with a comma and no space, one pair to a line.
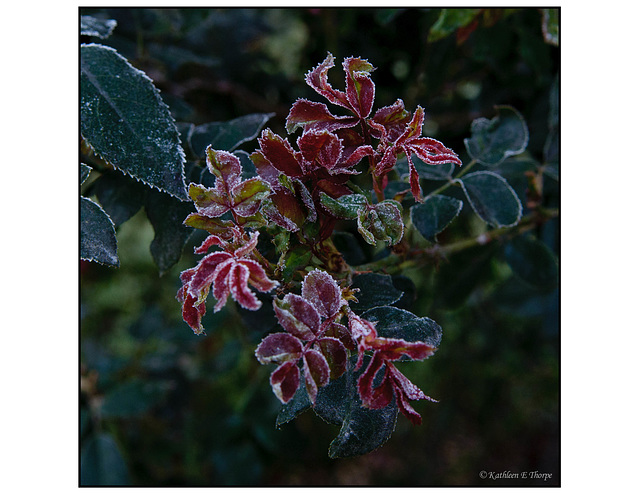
396,323
227,135
97,234
124,119
432,216
363,429
532,261
492,198
494,140
374,289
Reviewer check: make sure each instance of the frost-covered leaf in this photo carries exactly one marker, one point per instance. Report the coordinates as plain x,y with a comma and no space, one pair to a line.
345,207
279,348
449,21
322,291
532,261
124,119
214,226
101,463
381,222
375,289
492,198
335,353
362,429
316,372
432,216
227,135
100,28
396,323
85,170
167,215
285,381
97,234
297,316
494,140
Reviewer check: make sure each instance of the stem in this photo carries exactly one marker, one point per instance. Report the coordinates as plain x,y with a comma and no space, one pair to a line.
394,264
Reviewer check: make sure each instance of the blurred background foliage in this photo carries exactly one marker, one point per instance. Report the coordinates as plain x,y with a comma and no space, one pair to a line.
160,406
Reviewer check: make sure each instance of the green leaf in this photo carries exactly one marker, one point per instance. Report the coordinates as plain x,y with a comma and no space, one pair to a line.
375,289
492,198
381,222
227,135
100,28
494,140
296,258
432,216
449,21
363,430
85,170
396,323
97,234
101,463
345,207
126,122
532,261
167,215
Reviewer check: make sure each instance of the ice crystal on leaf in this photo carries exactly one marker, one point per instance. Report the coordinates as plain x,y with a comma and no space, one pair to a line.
310,322
228,273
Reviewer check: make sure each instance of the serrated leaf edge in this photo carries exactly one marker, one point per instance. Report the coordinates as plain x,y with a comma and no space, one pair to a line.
113,228
181,152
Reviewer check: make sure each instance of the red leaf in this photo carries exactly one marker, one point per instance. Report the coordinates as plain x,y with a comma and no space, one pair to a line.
375,398
322,291
321,148
432,151
258,277
225,166
237,281
280,154
247,247
340,332
316,372
248,195
335,353
279,348
285,381
393,120
205,272
209,201
192,311
317,78
221,288
212,240
360,88
297,316
312,115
